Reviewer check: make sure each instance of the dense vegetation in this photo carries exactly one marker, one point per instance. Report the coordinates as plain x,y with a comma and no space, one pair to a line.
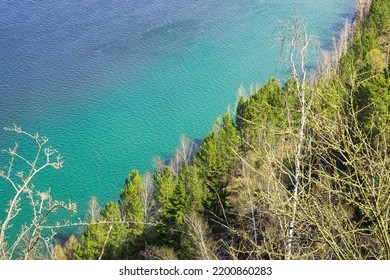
300,171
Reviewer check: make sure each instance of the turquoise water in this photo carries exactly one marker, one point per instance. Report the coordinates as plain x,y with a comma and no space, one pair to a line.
114,84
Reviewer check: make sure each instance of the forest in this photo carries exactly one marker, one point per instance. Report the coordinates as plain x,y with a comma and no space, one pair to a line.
298,170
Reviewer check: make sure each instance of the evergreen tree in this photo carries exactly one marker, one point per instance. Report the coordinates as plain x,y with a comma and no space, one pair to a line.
372,103
105,238
132,205
215,161
133,212
115,232
194,192
264,108
168,197
241,108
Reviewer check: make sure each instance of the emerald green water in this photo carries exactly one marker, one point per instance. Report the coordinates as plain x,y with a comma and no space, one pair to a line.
114,84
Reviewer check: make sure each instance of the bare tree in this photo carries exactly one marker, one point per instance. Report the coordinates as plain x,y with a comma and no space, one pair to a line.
20,179
363,8
197,230
159,253
296,43
147,196
65,251
94,210
183,154
351,205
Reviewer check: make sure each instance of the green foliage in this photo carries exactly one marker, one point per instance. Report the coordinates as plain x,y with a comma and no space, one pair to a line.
131,203
116,231
376,59
333,95
169,198
193,190
215,161
372,101
240,110
267,107
369,36
264,106
347,67
380,15
105,237
235,195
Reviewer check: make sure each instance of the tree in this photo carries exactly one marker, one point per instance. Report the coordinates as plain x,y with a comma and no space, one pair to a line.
215,162
65,251
194,192
132,205
183,154
349,206
94,210
198,235
296,42
168,198
376,59
19,175
147,199
104,239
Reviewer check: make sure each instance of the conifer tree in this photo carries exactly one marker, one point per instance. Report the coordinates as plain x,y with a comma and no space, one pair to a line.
240,109
215,160
167,197
194,192
103,239
132,205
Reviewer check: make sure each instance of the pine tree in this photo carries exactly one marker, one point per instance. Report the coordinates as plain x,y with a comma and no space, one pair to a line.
166,198
105,238
132,205
194,192
241,108
115,232
215,161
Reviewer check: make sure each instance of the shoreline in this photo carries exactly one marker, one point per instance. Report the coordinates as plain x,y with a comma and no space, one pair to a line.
328,64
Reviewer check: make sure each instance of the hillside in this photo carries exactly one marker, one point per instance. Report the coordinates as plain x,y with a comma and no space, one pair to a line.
298,171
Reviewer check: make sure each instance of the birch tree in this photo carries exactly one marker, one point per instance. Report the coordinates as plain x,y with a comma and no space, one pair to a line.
296,43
